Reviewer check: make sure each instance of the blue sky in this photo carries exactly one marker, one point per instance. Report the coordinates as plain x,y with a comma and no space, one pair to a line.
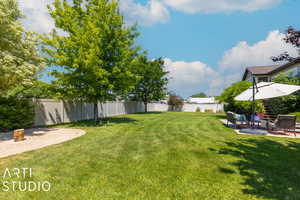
206,37
206,44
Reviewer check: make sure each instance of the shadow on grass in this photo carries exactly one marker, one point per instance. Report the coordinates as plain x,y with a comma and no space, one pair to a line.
102,122
148,113
271,169
220,116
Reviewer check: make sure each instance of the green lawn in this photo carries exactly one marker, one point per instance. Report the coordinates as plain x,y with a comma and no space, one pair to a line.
297,114
163,156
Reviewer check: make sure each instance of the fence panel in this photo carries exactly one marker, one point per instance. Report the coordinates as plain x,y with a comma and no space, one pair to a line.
49,111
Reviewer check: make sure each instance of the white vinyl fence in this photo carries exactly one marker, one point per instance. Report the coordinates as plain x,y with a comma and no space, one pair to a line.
49,111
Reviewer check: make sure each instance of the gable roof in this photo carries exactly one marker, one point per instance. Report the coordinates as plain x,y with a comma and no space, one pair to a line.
285,66
268,70
261,70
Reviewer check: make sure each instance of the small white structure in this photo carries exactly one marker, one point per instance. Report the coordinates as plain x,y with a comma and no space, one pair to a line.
207,104
206,100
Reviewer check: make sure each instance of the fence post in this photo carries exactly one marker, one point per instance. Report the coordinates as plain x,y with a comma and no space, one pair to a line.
62,111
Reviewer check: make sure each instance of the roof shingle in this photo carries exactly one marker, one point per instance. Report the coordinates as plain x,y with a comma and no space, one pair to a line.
261,70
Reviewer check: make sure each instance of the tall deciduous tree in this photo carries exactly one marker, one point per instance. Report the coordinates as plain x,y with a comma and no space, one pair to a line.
19,55
96,50
152,83
292,37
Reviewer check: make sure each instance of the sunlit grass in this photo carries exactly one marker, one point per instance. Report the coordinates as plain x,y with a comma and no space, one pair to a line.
163,156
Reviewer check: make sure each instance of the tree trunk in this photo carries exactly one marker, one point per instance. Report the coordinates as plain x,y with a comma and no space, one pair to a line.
146,108
96,112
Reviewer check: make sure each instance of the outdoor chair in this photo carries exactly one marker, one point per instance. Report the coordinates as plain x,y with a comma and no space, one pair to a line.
285,123
236,119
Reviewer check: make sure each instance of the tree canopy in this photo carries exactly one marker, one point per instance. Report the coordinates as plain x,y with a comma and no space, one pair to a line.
292,37
238,106
96,50
20,61
152,82
199,95
175,101
38,89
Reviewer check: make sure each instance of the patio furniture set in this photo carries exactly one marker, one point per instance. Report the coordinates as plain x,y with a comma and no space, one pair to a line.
285,123
262,91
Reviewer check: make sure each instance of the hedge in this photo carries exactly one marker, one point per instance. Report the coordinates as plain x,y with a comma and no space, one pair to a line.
15,113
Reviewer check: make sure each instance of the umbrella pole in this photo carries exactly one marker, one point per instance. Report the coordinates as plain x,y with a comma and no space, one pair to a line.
253,102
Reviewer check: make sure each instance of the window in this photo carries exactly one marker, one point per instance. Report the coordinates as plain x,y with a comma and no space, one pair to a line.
263,79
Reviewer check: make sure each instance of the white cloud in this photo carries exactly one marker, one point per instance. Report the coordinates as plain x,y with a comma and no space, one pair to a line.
39,20
214,6
37,15
243,54
189,77
236,59
153,12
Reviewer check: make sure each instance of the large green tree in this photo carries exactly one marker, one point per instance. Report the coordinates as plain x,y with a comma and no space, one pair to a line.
95,51
231,92
20,61
152,82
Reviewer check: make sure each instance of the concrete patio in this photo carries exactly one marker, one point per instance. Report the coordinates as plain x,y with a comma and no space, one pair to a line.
248,131
36,139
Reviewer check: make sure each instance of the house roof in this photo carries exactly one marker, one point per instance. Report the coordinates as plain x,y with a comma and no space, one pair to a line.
260,70
268,70
282,67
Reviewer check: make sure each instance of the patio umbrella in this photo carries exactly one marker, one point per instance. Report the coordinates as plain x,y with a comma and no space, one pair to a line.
267,90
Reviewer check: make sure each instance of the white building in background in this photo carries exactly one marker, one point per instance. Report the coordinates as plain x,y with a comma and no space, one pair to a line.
207,104
206,100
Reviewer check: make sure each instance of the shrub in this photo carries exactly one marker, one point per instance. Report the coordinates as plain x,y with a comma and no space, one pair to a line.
208,111
15,113
175,101
286,104
220,111
198,109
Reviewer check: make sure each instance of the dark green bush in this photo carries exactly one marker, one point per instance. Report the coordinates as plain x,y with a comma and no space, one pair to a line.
15,113
286,104
241,107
